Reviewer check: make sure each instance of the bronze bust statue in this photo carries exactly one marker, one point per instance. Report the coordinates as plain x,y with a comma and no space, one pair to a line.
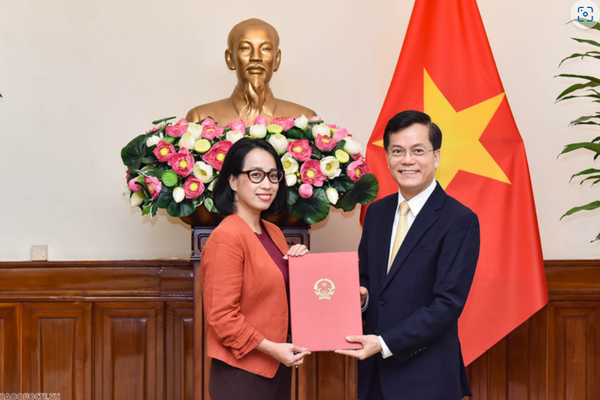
253,53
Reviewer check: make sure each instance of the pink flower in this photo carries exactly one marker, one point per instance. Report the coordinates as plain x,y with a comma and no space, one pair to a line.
300,149
154,186
208,122
154,128
212,131
285,123
305,190
357,156
178,129
193,187
357,169
238,126
216,155
340,134
325,143
133,185
260,120
315,118
164,151
182,162
310,172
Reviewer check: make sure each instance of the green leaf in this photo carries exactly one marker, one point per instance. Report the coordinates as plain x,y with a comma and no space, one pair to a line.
210,205
584,118
590,177
295,133
363,192
292,195
588,207
313,209
585,172
575,87
590,54
342,184
158,121
133,153
595,147
588,41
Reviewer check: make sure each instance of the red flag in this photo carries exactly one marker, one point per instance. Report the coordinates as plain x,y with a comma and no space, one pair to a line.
446,69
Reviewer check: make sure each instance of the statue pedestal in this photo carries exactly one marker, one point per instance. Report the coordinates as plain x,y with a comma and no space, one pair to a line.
322,376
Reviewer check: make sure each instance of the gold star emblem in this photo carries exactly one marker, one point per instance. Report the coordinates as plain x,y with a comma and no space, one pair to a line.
461,131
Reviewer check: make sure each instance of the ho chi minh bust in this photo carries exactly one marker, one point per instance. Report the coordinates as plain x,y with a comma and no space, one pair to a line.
253,53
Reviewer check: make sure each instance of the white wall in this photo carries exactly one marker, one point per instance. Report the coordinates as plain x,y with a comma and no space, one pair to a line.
80,78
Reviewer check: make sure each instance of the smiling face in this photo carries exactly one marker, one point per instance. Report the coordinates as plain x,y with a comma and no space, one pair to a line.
413,174
250,199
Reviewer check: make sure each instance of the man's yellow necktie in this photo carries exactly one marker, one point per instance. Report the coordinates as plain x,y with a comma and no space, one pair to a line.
400,232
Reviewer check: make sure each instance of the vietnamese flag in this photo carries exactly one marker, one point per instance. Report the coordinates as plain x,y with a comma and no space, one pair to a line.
446,69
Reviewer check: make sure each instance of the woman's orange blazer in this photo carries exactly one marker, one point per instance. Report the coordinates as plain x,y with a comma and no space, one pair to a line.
244,295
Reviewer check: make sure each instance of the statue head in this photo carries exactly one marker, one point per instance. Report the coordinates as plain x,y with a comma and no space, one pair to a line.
253,52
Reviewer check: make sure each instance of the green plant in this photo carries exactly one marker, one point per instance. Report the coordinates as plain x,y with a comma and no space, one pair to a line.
586,87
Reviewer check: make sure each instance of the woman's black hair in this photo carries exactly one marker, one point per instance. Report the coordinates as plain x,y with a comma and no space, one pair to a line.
233,164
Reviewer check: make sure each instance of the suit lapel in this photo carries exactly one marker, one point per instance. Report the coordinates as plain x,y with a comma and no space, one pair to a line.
386,225
427,217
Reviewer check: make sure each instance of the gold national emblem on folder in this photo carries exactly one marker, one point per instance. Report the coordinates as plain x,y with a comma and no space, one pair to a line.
324,288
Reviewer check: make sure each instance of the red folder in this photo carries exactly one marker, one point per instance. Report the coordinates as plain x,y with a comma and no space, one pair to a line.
325,300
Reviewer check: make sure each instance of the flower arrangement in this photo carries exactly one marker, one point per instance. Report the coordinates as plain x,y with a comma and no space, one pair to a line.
174,165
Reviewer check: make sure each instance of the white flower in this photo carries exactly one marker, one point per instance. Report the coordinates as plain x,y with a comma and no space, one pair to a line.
321,129
279,142
234,136
136,199
194,129
351,146
291,180
258,131
154,139
203,171
332,195
178,194
330,167
290,164
301,122
187,140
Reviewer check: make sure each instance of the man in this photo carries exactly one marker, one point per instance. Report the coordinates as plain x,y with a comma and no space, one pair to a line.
253,53
410,343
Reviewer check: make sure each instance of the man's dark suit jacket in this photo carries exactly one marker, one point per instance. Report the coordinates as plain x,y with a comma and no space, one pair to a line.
415,308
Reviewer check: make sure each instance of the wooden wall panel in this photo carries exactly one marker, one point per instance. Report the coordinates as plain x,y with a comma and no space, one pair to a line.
573,350
57,345
129,356
10,346
179,351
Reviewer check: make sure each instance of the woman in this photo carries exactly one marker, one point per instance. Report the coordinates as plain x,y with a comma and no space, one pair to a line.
245,280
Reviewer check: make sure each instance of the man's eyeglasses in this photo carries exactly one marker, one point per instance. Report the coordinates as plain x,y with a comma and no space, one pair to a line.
258,175
399,153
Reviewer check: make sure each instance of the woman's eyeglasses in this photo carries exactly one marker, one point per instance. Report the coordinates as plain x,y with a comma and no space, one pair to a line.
258,175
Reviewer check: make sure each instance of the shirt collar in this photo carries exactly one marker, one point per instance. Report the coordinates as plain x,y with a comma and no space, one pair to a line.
417,202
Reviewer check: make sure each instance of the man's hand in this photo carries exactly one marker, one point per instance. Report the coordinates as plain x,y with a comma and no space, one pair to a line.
371,345
364,293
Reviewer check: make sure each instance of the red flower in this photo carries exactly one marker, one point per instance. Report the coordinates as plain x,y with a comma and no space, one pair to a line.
164,151
300,149
310,172
357,169
216,155
182,162
193,187
325,143
178,129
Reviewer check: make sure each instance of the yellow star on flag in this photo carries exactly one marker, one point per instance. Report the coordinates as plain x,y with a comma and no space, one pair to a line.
461,131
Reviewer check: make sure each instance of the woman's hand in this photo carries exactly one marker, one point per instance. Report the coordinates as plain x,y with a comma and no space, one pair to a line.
286,353
296,250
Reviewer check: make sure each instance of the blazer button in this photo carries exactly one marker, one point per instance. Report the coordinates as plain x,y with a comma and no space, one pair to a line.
381,302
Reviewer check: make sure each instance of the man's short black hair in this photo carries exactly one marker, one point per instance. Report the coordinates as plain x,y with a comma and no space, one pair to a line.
407,118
